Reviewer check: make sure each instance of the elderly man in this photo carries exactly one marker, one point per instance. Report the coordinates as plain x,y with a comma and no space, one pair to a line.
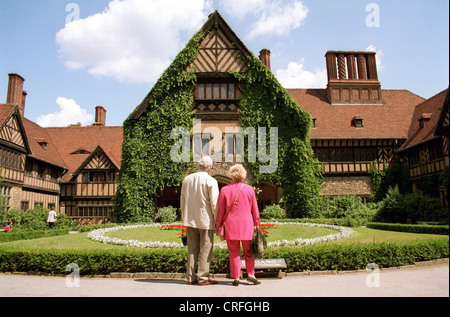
199,197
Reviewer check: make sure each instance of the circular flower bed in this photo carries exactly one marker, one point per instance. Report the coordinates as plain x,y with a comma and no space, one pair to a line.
344,232
98,235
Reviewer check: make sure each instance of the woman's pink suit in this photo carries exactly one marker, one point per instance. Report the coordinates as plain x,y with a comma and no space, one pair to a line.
239,224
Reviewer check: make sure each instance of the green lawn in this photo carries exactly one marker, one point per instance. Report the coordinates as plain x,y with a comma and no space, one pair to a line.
282,232
80,241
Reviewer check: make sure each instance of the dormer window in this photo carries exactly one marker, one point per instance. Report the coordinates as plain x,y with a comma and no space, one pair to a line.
42,142
43,145
81,152
357,121
424,119
313,125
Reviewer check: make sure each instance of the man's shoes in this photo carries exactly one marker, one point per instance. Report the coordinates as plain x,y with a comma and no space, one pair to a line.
207,282
193,282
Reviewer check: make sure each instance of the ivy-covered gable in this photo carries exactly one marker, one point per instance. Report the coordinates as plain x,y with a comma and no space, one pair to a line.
147,167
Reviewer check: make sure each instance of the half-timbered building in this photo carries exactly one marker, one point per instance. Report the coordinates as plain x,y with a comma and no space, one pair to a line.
13,151
216,105
356,123
72,168
30,165
426,152
92,155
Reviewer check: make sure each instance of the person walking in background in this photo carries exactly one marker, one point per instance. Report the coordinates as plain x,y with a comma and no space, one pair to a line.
198,202
239,218
51,219
7,225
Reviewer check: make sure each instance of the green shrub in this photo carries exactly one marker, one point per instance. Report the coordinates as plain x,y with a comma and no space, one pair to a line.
23,235
397,208
395,175
273,212
166,214
306,258
348,207
36,219
430,229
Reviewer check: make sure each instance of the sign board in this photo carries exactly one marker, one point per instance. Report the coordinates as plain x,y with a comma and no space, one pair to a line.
267,264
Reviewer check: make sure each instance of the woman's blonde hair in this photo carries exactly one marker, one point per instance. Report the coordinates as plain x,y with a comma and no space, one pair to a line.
237,172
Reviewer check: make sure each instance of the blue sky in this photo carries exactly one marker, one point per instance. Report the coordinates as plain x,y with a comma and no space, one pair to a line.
77,54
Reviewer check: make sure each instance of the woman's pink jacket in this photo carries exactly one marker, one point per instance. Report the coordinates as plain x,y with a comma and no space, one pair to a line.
243,217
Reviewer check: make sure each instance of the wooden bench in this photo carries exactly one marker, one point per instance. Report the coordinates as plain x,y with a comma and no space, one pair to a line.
266,264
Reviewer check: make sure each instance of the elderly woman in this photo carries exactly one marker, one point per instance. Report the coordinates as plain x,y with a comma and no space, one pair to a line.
239,215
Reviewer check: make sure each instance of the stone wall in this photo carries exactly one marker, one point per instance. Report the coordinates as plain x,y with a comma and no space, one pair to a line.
349,185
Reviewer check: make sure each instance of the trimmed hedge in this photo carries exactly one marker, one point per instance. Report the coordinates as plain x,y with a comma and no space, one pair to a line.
23,235
306,258
431,229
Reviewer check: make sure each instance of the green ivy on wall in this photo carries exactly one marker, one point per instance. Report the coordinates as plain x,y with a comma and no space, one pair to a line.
265,103
146,167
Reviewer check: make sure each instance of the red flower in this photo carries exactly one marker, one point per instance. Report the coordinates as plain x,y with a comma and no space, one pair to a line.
264,231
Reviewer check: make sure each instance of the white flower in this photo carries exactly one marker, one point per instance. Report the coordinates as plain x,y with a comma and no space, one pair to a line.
344,232
99,236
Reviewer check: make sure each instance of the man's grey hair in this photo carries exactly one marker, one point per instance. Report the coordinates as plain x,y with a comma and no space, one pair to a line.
205,163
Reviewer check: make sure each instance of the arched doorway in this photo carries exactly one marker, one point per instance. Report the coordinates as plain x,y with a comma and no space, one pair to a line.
170,196
222,180
267,195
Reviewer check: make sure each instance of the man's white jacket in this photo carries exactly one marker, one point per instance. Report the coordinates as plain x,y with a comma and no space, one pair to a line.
199,197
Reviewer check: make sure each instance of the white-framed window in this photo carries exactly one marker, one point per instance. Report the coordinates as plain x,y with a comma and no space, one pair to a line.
216,91
234,147
201,143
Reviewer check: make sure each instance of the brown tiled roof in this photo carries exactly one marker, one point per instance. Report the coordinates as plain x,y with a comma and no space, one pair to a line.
429,111
388,121
70,140
36,135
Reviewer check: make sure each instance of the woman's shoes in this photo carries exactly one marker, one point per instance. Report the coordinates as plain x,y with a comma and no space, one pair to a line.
253,280
250,279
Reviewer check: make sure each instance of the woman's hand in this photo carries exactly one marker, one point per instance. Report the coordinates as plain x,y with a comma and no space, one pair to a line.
217,230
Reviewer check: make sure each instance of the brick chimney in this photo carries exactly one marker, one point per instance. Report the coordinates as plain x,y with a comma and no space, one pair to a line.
352,78
100,116
264,56
24,97
16,95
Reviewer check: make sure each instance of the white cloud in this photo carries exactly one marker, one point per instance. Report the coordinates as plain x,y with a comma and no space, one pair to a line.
279,19
131,40
296,76
378,56
240,8
273,17
70,113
